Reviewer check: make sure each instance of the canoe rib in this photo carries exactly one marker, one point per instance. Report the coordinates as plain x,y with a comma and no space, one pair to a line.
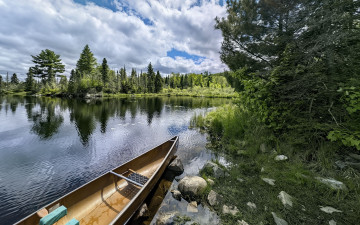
110,199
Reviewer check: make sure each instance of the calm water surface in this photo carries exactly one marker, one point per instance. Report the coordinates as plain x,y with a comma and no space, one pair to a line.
50,146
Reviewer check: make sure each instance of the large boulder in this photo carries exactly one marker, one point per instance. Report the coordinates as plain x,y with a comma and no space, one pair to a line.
192,187
176,166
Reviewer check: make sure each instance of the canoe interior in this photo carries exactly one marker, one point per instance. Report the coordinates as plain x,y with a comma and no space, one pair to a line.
103,199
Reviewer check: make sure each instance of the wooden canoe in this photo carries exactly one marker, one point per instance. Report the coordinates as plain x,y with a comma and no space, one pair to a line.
110,199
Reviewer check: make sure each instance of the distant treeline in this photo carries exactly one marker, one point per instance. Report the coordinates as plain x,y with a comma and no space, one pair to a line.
89,77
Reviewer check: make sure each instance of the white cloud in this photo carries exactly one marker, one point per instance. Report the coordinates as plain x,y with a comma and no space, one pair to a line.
29,26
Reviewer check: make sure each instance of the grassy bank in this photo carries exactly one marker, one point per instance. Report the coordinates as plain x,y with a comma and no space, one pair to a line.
226,92
251,148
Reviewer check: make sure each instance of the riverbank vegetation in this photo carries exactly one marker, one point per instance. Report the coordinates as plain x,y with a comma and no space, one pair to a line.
90,78
295,67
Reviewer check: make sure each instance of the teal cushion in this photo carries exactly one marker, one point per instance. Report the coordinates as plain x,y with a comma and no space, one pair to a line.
73,222
54,216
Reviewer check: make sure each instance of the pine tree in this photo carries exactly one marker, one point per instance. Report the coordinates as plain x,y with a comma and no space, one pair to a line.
105,72
47,65
30,81
14,79
87,62
1,83
158,82
150,79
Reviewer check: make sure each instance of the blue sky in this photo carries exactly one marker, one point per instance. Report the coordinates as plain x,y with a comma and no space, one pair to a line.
175,36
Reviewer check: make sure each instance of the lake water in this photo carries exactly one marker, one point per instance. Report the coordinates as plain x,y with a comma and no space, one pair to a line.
50,146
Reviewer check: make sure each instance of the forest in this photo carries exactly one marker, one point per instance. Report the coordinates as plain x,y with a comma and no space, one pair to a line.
46,78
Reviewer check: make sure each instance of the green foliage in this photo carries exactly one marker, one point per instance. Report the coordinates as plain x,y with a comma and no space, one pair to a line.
87,62
30,81
105,71
14,79
47,65
288,62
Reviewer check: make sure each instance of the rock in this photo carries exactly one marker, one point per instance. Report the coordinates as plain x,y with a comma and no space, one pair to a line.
192,207
354,156
166,218
262,169
210,181
230,210
285,198
278,220
332,222
340,164
329,209
242,222
335,184
176,166
269,181
251,205
281,158
176,194
263,147
214,198
240,179
142,213
192,187
213,169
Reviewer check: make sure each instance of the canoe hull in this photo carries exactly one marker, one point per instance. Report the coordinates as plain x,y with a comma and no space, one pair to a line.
106,199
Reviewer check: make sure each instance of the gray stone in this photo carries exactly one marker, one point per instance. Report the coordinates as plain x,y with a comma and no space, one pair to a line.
332,222
176,194
240,179
285,198
166,218
281,158
210,181
335,184
143,212
262,169
192,187
214,169
340,164
242,222
269,181
192,207
230,210
278,220
176,166
263,147
214,198
251,205
329,209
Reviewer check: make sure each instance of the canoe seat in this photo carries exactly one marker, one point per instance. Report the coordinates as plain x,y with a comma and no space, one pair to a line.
73,222
54,216
138,178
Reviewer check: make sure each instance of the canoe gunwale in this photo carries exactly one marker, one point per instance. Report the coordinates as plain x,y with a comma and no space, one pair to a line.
175,141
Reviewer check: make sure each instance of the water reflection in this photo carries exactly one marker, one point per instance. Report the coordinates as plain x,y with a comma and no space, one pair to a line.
50,146
46,114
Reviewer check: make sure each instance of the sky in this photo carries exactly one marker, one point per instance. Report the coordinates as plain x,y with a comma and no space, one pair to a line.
174,35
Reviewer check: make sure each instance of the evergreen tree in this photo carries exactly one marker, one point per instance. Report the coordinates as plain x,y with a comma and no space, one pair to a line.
105,72
14,79
47,65
73,81
87,62
150,79
30,81
158,82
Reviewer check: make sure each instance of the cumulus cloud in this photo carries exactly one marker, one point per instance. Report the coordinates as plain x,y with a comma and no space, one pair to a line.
137,33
